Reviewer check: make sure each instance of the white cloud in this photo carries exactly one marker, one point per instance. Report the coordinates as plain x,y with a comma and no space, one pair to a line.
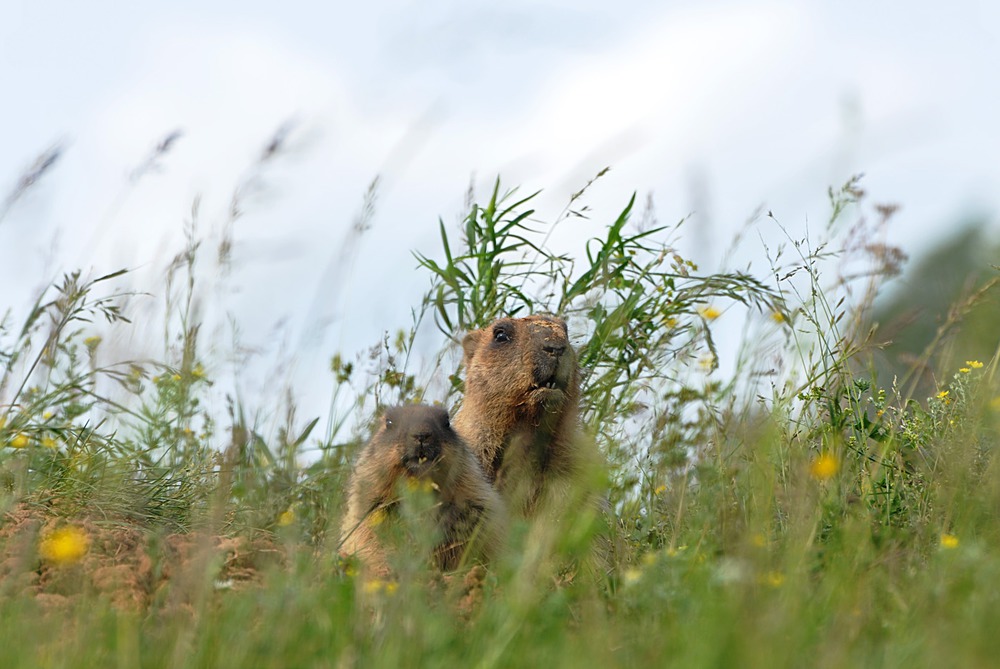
674,81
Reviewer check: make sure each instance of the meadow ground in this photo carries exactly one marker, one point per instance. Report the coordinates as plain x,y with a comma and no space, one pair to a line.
800,512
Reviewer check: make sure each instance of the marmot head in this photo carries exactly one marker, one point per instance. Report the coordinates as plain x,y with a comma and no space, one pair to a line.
415,437
524,363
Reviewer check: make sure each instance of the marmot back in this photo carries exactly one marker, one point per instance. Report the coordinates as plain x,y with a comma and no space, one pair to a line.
520,410
415,444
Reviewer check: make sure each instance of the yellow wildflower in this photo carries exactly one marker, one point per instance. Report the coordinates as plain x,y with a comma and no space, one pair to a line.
649,559
286,518
632,575
758,540
949,541
47,415
176,377
943,395
92,342
660,489
198,371
824,467
974,364
372,586
421,485
778,317
376,517
994,404
377,585
964,370
64,546
20,440
774,579
49,442
709,313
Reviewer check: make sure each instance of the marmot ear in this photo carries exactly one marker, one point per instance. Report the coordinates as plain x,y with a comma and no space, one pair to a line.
470,343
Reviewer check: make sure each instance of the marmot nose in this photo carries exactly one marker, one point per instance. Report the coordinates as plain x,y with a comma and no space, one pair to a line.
554,349
423,446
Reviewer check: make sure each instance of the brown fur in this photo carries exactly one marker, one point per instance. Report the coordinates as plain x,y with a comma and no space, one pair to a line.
520,411
415,443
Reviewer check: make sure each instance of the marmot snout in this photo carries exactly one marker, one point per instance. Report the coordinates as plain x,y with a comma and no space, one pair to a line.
419,435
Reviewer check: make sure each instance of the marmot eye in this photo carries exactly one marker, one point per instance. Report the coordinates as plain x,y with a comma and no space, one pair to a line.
388,422
501,335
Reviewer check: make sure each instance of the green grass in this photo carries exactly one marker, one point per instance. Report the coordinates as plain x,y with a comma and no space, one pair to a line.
798,512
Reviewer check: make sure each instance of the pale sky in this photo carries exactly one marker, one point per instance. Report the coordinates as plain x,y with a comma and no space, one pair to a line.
717,108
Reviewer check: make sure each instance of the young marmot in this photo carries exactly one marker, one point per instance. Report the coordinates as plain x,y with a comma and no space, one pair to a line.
416,446
520,411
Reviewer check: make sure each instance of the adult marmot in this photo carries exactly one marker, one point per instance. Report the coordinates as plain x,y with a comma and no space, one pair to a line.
520,411
416,445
